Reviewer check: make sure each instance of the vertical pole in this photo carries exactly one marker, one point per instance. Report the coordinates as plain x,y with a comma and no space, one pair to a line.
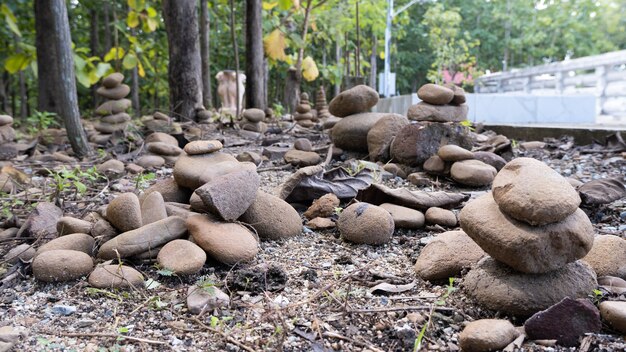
387,72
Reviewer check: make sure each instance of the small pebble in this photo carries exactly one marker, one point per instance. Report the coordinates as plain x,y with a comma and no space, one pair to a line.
63,310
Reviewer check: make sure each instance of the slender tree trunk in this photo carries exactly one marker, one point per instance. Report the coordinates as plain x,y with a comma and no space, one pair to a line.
23,96
236,53
94,43
57,83
184,69
134,92
373,62
337,62
4,101
205,53
254,55
294,75
107,27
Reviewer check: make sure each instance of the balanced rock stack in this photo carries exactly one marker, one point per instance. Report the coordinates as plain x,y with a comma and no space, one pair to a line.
463,166
321,106
161,148
7,133
304,115
113,111
160,122
534,232
354,123
253,121
438,116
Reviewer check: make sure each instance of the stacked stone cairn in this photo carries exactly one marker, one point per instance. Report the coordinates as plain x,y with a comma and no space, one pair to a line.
161,149
321,106
160,225
534,233
253,121
7,133
160,122
113,110
463,166
304,115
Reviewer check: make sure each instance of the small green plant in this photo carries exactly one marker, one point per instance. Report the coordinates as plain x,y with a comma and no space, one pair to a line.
441,301
92,291
72,179
9,203
41,120
468,124
279,110
206,284
142,181
597,296
155,303
449,289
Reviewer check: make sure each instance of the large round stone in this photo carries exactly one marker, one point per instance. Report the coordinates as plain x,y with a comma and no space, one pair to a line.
608,256
113,80
272,218
435,94
161,137
161,148
453,152
497,287
203,147
351,132
403,217
114,93
152,208
113,107
124,212
526,248
437,113
446,255
61,265
68,225
226,242
193,171
115,276
77,242
365,223
417,142
528,190
614,312
254,115
381,135
487,335
302,158
143,239
473,173
182,257
355,100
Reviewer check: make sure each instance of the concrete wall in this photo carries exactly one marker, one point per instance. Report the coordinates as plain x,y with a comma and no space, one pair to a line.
513,109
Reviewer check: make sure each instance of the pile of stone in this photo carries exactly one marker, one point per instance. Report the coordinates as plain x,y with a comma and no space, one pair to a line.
161,149
302,154
438,118
160,122
532,229
321,106
113,110
464,166
7,133
304,116
253,121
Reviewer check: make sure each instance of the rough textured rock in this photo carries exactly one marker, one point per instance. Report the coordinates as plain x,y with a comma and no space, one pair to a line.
453,152
323,207
403,217
564,322
206,299
302,158
602,191
203,147
353,101
437,113
229,196
144,238
152,208
24,252
115,276
170,190
528,190
614,313
435,94
124,212
490,158
68,225
487,335
497,287
272,217
607,256
42,222
446,255
473,173
526,248
182,257
440,216
193,171
61,265
76,242
418,142
228,243
351,132
365,223
381,135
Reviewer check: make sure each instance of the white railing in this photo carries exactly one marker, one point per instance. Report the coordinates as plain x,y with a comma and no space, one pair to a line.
601,75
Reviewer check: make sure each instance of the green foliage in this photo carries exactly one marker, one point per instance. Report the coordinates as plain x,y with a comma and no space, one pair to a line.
8,203
74,180
449,289
40,120
142,181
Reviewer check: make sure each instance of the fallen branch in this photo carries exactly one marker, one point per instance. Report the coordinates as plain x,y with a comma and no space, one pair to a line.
104,334
397,309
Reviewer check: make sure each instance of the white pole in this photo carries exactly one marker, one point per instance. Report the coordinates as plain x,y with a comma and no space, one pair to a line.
387,71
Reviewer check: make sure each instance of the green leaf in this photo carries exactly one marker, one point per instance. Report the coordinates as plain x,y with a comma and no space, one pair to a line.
130,61
150,24
122,330
102,68
114,53
16,62
132,4
151,284
9,17
151,12
132,20
285,4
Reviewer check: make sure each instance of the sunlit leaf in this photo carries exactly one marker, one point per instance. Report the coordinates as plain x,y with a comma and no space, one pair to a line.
132,4
151,12
140,70
130,61
285,4
274,44
16,62
309,69
150,24
83,78
102,68
132,20
10,19
114,53
269,5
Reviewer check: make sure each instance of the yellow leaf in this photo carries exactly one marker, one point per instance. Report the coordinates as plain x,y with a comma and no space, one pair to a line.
314,26
382,55
140,70
269,5
274,45
309,69
132,20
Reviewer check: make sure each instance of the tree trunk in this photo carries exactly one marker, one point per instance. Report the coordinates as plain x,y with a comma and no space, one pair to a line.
107,27
236,53
205,53
4,99
23,96
57,83
134,92
94,43
294,75
373,60
184,69
337,62
254,56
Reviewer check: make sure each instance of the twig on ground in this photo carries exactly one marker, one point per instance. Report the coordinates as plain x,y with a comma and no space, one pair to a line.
275,168
222,334
396,309
104,334
353,341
